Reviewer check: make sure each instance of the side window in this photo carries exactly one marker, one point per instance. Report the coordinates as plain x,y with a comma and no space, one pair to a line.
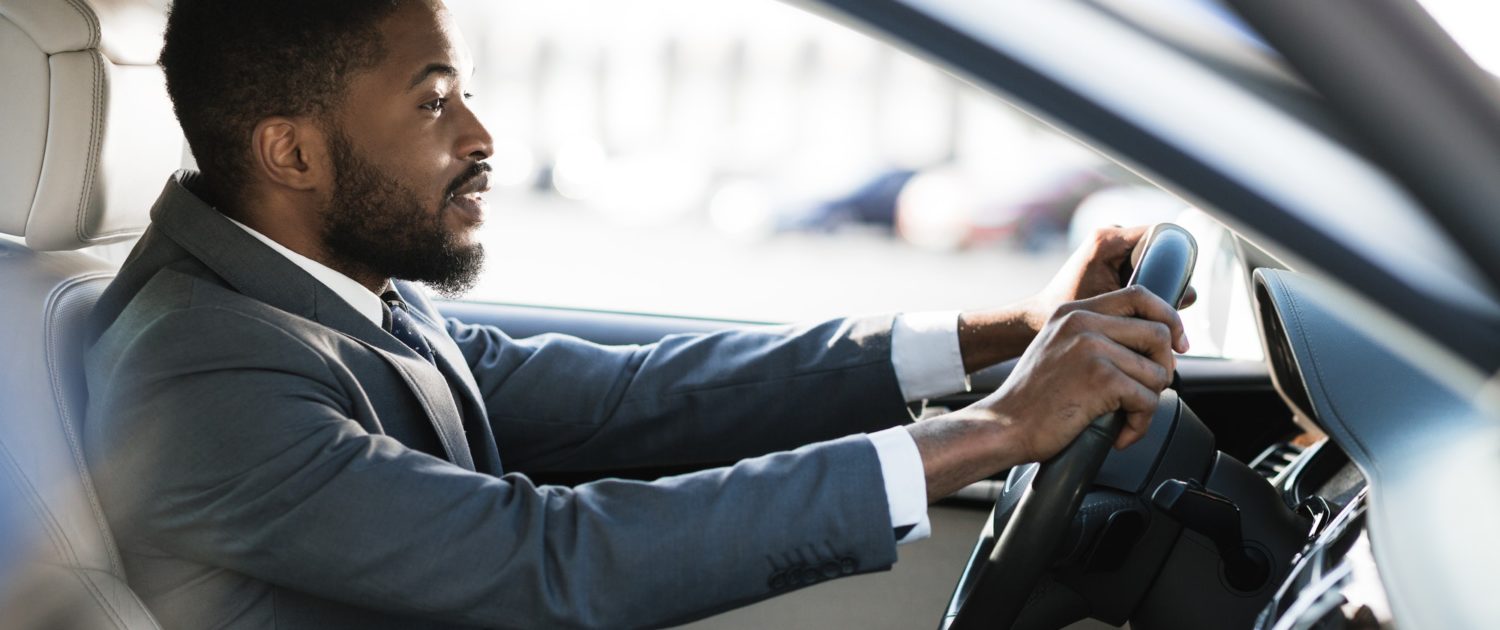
743,159
1221,322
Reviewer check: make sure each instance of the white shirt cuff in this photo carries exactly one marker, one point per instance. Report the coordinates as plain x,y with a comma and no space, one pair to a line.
925,354
905,482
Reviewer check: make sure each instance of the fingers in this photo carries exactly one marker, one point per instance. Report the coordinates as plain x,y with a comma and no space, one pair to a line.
1136,302
1154,340
1112,352
1134,429
1138,403
1148,341
1131,363
1115,243
1133,381
1148,371
1189,298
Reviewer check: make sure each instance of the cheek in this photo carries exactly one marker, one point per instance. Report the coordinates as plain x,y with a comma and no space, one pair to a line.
428,182
424,185
418,163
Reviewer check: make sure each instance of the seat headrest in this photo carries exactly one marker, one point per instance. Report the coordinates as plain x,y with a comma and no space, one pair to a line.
88,134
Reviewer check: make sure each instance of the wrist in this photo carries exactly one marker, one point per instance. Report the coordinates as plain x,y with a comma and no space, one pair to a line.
1036,310
989,337
963,447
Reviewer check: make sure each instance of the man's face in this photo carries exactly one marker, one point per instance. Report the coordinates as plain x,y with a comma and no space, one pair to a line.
406,153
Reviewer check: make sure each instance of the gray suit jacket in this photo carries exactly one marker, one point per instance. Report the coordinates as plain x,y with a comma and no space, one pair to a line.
269,458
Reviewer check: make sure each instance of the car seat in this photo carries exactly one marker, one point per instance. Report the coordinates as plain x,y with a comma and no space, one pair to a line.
87,140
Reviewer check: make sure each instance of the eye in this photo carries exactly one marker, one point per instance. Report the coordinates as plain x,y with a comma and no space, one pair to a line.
435,106
468,96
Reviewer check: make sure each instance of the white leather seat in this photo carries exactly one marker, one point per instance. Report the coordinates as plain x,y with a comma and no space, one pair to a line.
87,139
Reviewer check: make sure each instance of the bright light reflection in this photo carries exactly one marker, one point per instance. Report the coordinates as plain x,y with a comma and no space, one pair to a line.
1472,24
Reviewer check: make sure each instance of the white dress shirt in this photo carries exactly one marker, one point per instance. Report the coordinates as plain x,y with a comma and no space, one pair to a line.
924,353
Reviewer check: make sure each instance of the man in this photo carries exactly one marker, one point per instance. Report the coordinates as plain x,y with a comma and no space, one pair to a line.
286,434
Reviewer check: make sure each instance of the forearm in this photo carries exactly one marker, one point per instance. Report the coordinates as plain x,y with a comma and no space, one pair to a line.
989,337
688,399
961,448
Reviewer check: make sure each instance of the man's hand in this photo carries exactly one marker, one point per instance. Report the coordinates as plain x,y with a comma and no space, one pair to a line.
1093,356
1093,269
989,337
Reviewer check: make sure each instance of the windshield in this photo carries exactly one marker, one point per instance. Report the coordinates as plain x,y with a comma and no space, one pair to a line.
1157,91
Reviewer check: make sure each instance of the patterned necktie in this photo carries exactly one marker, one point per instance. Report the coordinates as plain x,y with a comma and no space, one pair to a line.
403,327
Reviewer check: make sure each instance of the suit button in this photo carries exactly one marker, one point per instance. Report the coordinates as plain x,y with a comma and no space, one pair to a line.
807,576
830,570
846,565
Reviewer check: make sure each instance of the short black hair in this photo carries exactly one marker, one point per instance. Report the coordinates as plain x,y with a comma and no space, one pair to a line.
230,64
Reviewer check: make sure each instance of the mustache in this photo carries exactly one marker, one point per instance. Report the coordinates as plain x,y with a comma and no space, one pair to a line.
475,170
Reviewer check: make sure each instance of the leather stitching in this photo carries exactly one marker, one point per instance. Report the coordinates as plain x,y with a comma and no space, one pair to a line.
54,529
144,615
93,589
95,42
54,373
91,160
96,135
96,32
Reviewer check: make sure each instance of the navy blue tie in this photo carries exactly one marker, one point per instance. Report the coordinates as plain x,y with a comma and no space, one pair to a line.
403,327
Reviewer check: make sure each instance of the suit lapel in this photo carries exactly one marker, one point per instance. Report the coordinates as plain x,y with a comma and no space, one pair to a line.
261,273
449,356
425,381
450,360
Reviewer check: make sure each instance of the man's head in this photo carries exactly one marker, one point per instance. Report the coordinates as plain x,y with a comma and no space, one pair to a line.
338,128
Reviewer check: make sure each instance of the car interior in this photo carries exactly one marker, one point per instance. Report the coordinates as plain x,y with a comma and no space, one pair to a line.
88,133
1247,506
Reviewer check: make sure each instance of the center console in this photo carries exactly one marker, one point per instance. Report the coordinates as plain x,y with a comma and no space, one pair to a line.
1333,583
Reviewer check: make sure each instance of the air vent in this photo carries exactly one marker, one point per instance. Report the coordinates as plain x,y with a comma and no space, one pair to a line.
1275,460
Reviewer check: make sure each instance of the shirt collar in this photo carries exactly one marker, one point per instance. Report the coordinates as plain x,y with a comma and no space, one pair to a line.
360,298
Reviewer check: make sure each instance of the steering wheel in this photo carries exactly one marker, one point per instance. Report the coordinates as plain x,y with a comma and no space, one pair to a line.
1041,501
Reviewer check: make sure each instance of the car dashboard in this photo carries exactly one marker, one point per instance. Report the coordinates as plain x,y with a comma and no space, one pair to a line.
1333,582
1384,436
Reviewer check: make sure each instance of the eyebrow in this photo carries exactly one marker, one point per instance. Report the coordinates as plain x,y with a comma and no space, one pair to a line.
429,70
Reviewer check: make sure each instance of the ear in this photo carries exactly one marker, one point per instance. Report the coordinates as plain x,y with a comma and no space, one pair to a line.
289,152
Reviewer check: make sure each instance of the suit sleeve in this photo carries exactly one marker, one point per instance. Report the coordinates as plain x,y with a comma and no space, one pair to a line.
243,456
559,403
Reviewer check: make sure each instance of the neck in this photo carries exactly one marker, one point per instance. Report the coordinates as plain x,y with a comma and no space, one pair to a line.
375,282
303,237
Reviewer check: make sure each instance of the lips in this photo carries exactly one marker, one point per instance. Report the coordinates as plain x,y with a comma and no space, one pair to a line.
478,184
469,198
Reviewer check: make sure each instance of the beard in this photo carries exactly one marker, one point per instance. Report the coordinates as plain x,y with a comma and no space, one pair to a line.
381,228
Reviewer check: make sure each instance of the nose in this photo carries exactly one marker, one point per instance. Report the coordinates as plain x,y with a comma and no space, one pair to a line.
474,141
